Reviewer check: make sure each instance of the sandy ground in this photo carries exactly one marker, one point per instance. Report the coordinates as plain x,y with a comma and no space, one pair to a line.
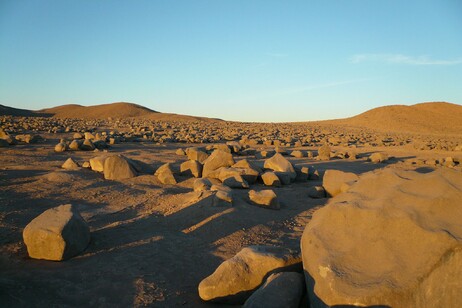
151,243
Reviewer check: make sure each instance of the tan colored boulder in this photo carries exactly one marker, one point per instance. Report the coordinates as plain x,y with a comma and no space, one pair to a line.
165,174
57,234
324,152
198,154
281,164
394,239
279,290
202,184
333,181
87,145
75,145
217,160
298,154
249,175
97,163
60,147
378,157
265,198
117,167
191,167
236,278
270,179
70,164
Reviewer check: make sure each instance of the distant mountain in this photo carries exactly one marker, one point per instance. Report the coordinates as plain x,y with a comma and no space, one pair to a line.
428,118
5,110
114,110
104,111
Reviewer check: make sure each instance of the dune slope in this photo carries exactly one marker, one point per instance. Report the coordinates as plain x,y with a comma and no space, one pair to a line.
429,118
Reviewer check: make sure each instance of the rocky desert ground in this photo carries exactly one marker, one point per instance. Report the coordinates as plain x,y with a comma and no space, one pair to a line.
126,207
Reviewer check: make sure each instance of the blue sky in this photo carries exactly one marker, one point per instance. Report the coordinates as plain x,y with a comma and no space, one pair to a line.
237,60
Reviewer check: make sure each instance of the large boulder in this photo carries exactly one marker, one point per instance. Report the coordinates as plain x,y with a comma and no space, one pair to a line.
393,239
281,164
265,198
118,167
280,290
236,278
217,160
57,234
336,181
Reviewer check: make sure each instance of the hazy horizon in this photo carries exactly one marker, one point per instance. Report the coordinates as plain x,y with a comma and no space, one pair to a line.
259,61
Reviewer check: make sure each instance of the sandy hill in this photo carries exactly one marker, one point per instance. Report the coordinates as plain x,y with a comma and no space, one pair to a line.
428,118
104,111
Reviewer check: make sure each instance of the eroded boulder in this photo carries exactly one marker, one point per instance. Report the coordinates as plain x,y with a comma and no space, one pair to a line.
394,239
236,278
57,234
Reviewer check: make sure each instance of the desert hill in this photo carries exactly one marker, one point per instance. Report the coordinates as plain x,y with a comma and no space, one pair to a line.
103,111
114,110
428,118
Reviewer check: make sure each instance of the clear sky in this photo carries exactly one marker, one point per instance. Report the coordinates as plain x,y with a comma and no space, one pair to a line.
240,60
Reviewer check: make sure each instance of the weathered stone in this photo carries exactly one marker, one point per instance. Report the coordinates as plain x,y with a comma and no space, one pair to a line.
393,240
235,181
165,174
279,290
197,154
87,145
324,152
75,145
298,154
265,198
191,167
117,167
217,160
180,152
334,179
223,198
70,164
316,192
281,164
97,163
57,234
378,157
270,179
60,147
202,184
236,278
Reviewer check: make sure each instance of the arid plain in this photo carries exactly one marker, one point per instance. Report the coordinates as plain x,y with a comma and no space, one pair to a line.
168,198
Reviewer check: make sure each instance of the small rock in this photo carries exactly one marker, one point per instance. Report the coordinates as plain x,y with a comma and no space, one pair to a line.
265,198
165,174
334,179
316,192
70,164
192,167
271,179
